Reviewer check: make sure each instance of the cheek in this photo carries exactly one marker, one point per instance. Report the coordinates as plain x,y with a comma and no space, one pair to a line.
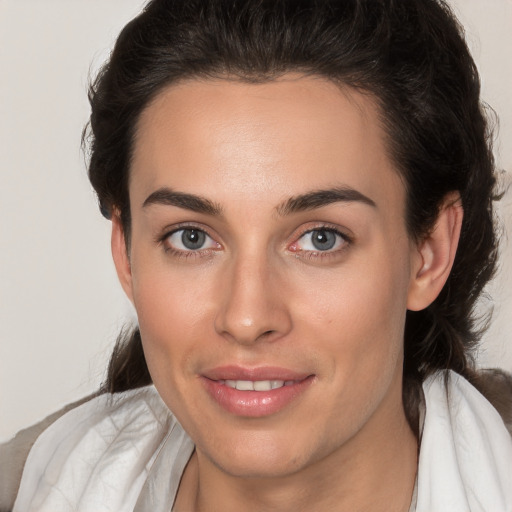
171,308
356,317
353,301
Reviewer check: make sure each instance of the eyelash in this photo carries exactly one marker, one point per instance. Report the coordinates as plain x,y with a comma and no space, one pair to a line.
346,240
184,253
343,238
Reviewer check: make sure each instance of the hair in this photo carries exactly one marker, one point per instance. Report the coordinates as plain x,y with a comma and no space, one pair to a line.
409,55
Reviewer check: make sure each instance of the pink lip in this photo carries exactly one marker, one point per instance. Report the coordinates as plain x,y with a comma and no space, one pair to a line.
254,404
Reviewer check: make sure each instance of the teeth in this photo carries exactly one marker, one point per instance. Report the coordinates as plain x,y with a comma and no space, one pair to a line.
262,385
244,385
257,385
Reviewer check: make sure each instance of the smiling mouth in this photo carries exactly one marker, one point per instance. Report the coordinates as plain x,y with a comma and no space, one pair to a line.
256,398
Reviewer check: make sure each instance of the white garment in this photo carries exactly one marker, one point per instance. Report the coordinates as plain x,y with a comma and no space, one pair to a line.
465,462
127,452
102,455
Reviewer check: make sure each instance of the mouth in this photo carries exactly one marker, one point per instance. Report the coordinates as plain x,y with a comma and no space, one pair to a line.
255,393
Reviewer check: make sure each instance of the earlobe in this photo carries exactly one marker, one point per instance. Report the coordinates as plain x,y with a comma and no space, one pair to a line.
435,255
120,256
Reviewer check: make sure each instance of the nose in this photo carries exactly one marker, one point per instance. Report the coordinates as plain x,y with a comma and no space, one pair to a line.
252,307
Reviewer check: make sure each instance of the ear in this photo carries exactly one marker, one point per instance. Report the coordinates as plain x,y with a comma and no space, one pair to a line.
120,256
435,254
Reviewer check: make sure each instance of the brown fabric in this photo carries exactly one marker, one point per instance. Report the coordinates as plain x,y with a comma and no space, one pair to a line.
495,385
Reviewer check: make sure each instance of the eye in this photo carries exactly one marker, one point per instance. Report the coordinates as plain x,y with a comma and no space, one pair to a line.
320,240
189,239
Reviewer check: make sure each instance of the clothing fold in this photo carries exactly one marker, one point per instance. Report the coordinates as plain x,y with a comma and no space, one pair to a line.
127,452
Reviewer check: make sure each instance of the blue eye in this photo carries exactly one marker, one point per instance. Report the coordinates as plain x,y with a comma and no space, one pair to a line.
190,239
322,239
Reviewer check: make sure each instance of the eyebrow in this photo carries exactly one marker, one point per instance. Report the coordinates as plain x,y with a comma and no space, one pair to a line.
169,197
304,202
319,198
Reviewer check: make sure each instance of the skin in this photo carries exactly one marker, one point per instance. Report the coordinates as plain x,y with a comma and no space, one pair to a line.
257,292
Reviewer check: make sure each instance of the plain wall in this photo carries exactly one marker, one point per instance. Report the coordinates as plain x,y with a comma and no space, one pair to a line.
60,304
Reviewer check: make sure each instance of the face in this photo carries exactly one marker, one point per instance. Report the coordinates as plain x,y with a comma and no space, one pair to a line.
270,269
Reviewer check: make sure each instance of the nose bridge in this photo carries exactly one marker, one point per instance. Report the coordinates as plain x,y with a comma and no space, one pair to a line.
252,307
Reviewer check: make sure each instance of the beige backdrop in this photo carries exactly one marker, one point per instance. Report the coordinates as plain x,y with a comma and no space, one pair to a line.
60,304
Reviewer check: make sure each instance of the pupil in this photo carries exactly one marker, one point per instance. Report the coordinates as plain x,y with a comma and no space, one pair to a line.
323,240
192,238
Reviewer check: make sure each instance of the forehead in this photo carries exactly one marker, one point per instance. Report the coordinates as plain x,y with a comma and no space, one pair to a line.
262,142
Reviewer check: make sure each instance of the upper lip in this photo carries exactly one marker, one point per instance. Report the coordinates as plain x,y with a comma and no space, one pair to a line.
233,372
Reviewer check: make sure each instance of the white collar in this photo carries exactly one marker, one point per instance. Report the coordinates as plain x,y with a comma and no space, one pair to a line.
465,462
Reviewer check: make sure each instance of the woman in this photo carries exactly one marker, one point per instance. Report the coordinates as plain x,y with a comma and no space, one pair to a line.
301,203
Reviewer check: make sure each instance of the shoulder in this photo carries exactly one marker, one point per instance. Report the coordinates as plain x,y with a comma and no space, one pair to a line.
496,386
484,390
13,454
84,429
465,456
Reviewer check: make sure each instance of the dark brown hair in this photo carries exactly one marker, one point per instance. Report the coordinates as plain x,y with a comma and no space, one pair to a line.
408,54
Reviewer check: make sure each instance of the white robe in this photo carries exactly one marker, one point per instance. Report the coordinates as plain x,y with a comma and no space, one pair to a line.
127,452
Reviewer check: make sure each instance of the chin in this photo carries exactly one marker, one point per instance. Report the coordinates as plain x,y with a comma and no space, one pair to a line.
259,467
259,455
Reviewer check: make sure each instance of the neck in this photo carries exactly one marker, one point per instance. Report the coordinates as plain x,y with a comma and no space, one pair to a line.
375,471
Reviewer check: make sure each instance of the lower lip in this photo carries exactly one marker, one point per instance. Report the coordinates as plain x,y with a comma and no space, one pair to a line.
255,404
